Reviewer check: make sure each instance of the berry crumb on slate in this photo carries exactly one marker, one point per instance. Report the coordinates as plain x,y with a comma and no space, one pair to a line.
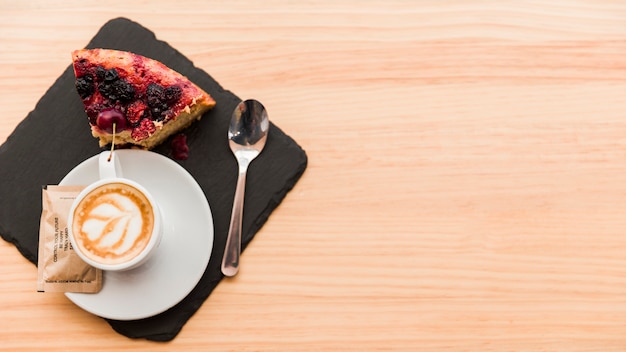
180,149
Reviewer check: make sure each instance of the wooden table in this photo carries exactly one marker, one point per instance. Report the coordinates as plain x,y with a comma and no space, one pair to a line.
466,188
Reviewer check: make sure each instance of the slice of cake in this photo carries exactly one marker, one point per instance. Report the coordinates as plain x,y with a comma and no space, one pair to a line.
145,100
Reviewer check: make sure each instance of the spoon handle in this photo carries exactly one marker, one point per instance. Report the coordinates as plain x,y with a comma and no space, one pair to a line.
230,262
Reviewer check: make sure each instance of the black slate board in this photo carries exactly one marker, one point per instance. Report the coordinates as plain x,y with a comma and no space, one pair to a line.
55,137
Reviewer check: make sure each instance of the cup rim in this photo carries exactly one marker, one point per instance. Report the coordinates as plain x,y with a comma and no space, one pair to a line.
140,258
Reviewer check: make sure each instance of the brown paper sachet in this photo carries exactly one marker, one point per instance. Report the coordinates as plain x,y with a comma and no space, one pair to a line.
59,268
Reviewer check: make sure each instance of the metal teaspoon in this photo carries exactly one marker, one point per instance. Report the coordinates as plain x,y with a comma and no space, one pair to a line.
247,134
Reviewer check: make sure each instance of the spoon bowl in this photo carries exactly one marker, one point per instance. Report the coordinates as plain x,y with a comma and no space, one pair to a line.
247,134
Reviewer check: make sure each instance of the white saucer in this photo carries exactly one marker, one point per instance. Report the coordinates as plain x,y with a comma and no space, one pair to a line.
184,252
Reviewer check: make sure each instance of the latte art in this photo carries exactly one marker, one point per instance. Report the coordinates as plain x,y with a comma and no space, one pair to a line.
113,223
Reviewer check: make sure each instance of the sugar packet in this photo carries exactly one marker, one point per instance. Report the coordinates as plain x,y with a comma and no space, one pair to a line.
59,268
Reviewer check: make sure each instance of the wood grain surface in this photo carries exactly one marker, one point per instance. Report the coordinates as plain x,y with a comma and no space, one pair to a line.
466,183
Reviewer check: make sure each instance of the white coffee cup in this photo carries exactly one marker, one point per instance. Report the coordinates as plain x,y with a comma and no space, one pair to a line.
114,223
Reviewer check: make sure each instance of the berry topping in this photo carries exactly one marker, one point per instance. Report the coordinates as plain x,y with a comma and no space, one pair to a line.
84,86
113,87
100,72
173,94
111,75
180,150
155,93
156,101
145,129
136,111
80,67
161,100
106,119
117,90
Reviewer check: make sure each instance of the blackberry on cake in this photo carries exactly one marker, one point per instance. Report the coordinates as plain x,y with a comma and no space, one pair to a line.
145,100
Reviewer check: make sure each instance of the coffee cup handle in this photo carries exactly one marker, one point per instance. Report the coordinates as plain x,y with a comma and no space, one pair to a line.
109,166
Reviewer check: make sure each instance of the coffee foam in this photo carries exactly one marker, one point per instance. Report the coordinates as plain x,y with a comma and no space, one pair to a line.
113,223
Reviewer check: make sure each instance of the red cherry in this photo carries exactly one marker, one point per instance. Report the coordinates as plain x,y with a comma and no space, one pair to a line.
106,119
